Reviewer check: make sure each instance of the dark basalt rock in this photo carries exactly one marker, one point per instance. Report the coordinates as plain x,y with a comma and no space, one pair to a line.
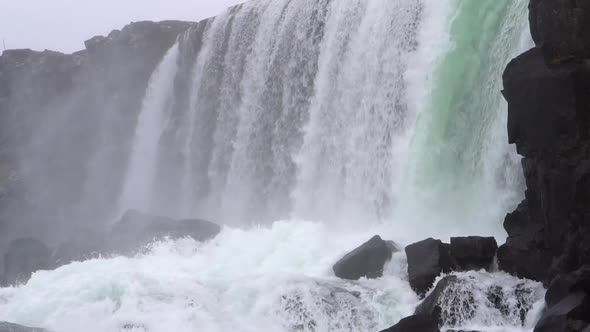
430,307
427,260
474,252
548,93
568,303
548,120
23,257
455,301
136,229
570,314
561,28
365,261
414,324
9,327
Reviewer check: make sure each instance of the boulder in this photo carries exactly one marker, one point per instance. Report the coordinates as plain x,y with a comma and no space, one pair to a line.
474,252
571,314
23,257
9,327
365,261
136,229
414,324
427,260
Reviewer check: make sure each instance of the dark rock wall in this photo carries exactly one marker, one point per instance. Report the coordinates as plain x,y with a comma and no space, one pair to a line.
548,94
68,119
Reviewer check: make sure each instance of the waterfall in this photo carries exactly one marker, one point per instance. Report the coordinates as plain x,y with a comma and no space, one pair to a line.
348,112
322,123
139,182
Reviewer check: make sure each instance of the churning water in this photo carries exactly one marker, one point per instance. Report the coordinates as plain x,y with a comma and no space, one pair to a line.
364,116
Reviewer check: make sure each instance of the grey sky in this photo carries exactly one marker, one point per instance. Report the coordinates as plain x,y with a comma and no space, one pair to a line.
63,25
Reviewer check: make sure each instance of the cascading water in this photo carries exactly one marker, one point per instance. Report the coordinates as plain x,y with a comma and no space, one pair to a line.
139,184
384,115
307,109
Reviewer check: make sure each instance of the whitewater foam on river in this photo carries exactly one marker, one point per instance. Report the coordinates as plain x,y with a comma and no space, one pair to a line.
263,279
373,117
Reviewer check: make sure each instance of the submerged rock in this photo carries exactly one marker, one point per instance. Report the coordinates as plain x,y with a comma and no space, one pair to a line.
474,252
9,327
414,324
427,260
458,299
23,257
365,261
136,229
431,306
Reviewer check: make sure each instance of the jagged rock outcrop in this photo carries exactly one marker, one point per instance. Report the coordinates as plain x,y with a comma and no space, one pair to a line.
365,261
94,97
548,94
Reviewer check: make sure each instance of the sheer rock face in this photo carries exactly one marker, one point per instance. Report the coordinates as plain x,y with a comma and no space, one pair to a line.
100,90
548,94
561,28
548,120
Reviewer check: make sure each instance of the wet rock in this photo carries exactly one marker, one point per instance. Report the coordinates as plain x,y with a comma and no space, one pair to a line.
427,260
365,261
23,257
474,252
136,229
414,324
570,314
9,327
431,306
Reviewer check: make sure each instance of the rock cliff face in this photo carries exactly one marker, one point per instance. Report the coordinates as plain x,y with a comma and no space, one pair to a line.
548,94
100,89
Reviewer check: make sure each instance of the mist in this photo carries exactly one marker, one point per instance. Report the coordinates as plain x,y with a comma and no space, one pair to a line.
176,166
64,25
